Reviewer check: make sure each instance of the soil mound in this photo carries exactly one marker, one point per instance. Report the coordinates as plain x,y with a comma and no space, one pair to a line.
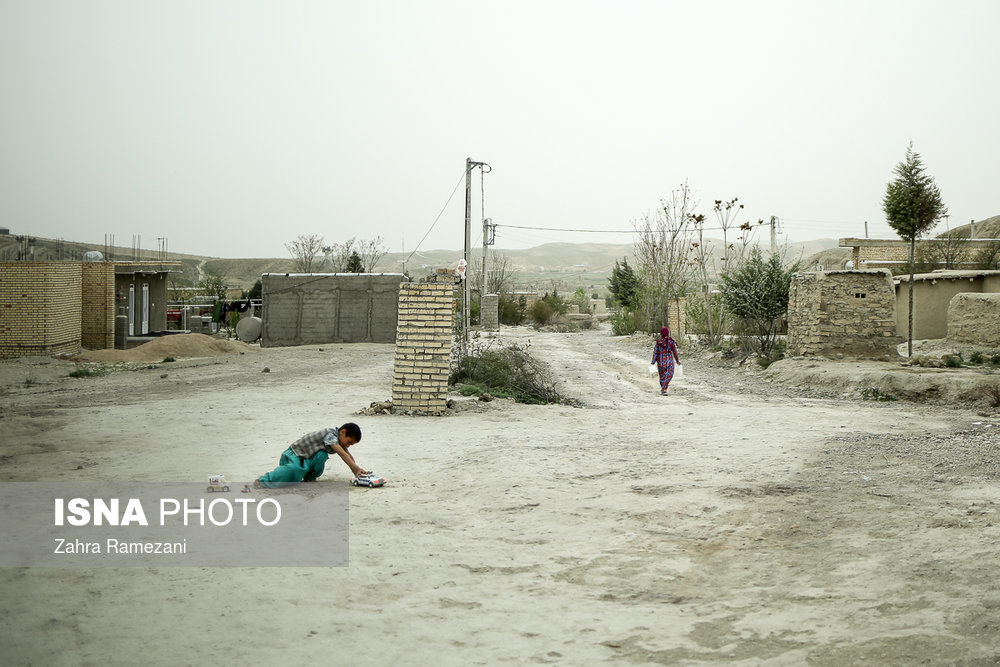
176,345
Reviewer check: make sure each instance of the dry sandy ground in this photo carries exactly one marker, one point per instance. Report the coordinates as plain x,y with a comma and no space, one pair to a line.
735,521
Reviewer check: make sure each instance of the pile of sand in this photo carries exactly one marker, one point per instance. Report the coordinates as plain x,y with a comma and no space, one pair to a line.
175,345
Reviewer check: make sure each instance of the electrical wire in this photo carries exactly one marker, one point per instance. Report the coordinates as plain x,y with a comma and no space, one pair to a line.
443,208
621,231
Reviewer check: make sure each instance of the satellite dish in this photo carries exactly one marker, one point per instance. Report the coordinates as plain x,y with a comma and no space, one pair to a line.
93,256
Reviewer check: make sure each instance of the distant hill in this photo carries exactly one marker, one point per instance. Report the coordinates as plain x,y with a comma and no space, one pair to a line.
985,229
556,265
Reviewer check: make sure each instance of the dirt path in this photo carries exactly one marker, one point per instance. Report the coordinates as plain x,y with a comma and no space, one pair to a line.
735,521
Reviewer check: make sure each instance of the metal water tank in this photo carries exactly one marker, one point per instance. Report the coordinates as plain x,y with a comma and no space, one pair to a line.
248,329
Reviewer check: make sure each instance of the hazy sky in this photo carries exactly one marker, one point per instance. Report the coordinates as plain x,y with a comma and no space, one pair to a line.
230,128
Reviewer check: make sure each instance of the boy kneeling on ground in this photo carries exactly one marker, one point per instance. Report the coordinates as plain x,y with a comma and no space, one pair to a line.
305,460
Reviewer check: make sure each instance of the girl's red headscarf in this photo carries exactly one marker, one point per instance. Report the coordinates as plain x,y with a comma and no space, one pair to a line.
663,342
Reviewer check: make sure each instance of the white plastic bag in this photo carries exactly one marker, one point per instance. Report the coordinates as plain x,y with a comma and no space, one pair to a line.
653,370
678,371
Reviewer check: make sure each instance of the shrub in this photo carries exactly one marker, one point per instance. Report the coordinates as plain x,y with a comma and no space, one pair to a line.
976,358
545,310
623,322
86,372
511,312
993,395
541,313
876,394
506,372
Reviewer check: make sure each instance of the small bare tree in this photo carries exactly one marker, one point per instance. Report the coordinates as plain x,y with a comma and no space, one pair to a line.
661,251
736,239
304,249
340,256
499,273
371,252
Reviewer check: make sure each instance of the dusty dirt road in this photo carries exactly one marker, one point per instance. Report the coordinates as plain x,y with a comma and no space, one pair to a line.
735,521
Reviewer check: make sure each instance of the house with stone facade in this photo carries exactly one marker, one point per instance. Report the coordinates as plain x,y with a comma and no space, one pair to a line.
842,312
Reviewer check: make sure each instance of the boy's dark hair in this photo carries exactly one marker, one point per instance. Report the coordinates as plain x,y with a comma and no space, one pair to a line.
353,431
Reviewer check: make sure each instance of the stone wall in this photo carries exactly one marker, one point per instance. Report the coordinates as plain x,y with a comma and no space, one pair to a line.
423,345
40,308
845,312
98,298
312,308
974,318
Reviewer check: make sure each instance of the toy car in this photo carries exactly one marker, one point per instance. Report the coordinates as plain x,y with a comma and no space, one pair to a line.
217,483
368,479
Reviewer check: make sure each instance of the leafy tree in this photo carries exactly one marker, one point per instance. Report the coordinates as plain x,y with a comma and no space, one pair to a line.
510,311
255,292
304,249
624,285
580,300
215,284
912,206
757,294
355,264
546,309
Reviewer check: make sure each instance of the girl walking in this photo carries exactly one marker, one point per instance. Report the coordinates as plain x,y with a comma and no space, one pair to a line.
664,356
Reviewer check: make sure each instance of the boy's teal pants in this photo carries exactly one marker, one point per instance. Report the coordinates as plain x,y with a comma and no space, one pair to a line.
293,469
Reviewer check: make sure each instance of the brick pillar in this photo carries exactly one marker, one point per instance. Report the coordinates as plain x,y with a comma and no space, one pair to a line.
423,344
98,315
489,312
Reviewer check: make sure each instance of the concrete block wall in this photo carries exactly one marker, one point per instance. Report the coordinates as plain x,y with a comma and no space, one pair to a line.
975,318
97,323
40,308
489,312
312,308
847,312
423,344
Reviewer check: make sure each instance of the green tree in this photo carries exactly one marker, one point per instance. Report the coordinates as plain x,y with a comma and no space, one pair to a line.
255,292
912,206
214,284
757,294
580,300
624,285
354,264
510,311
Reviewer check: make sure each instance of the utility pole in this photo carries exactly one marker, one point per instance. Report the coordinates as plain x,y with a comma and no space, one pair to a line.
466,294
466,311
774,245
